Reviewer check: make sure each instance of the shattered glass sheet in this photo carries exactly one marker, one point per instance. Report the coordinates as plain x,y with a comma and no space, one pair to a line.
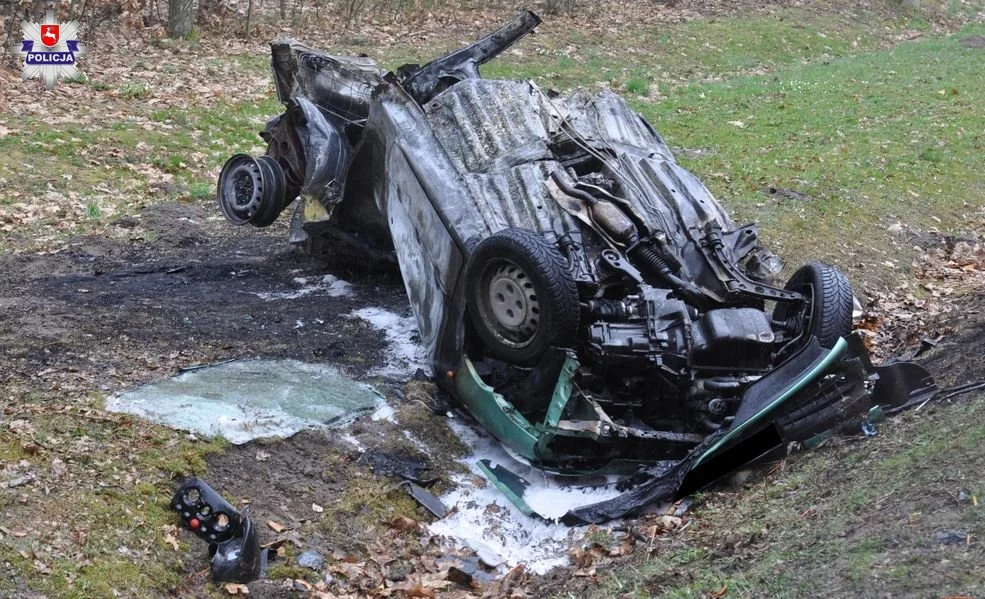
247,400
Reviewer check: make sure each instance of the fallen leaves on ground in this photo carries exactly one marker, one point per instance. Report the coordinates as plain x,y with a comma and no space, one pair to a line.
896,321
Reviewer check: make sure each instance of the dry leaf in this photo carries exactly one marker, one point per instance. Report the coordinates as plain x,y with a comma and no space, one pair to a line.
171,536
420,591
236,589
274,526
404,524
42,567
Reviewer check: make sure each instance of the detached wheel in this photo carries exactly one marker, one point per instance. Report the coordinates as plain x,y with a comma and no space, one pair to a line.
521,296
829,316
251,190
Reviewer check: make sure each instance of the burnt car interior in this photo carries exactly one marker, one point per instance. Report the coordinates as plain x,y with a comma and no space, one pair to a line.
556,256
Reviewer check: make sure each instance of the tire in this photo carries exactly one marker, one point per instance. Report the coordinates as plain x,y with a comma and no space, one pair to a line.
520,296
830,315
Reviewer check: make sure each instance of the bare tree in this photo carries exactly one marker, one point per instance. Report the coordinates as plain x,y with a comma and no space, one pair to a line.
181,17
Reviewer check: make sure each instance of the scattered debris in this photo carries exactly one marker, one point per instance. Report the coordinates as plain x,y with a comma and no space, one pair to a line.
953,537
485,521
233,542
426,499
397,466
311,560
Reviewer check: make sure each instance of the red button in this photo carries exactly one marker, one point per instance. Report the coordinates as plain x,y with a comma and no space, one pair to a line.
194,523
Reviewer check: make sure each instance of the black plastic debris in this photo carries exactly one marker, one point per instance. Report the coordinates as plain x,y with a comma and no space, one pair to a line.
234,547
953,537
426,499
398,466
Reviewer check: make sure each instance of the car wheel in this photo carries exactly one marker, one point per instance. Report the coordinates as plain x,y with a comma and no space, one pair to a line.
521,296
830,315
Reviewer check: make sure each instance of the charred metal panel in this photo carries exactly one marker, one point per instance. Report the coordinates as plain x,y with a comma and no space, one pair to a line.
519,198
326,153
419,267
689,198
489,126
342,86
423,83
395,117
494,131
608,119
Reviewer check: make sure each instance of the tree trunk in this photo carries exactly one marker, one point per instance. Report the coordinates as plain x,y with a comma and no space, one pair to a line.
181,17
249,18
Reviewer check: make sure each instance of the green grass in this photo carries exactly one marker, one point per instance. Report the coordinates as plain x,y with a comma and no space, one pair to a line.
889,136
698,50
134,90
121,517
637,85
117,161
874,511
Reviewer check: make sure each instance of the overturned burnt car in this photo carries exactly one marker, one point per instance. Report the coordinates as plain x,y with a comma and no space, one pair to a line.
585,297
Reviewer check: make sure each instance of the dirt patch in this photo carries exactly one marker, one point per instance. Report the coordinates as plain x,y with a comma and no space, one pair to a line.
181,294
781,193
974,41
340,494
959,357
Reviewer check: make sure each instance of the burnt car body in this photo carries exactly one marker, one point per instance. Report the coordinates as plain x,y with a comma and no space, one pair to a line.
585,297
